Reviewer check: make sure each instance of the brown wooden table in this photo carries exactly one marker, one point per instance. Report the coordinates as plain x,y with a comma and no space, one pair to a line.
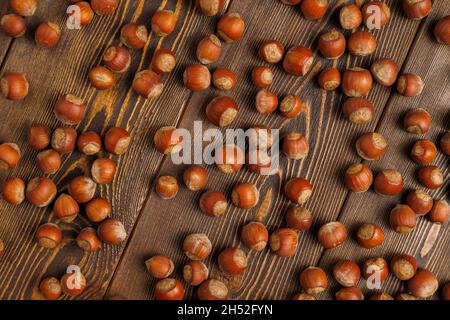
156,226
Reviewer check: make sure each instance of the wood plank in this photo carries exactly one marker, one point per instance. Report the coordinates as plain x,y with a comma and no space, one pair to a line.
370,207
64,70
164,224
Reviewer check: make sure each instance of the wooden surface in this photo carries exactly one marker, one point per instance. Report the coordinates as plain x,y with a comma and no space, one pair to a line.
156,226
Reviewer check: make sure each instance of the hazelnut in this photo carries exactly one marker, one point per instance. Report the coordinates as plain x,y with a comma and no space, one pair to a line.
330,79
229,158
117,59
420,201
358,110
417,121
245,195
64,139
347,273
362,43
70,110
73,283
298,190
314,9
402,219
299,218
148,84
195,273
440,212
86,12
13,190
89,143
167,187
295,146
404,267
24,8
213,203
9,156
47,35
271,51
40,192
303,296
298,61
262,77
210,7
351,293
371,146
266,102
260,162
39,137
444,143
358,177
377,267
117,140
209,49
417,9
103,170
49,161
283,242
255,236
195,177
213,289
197,246
232,261
14,86
88,240
405,296
134,35
357,82
98,209
224,79
221,111
388,182
350,16
48,235
424,152
332,234
385,71
163,22
197,77
313,280
13,25
66,208
112,231
409,85
291,106
375,19
101,78
424,284
370,236
82,189
167,140
160,267
441,30
332,44
381,296
260,137
446,292
50,288
163,61
230,27
104,7
431,177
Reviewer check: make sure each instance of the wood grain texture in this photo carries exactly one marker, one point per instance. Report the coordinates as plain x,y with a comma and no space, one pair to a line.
331,138
158,227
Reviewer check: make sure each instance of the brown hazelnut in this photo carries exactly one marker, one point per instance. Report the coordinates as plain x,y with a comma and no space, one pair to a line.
440,212
424,284
402,219
98,209
197,246
112,231
104,7
48,235
332,234
195,273
82,189
351,293
39,137
330,79
73,283
420,201
266,102
103,170
13,190
299,218
13,25
232,261
347,273
444,143
47,35
370,236
262,77
88,240
224,79
221,111
40,192
417,9
424,152
350,16
167,140
431,177
169,289
70,110
271,51
148,84
49,161
167,187
376,18
245,195
117,140
163,61
9,155
377,267
163,22
255,236
50,288
385,71
209,49
417,121
213,289
101,78
229,158
298,61
86,14
210,7
298,190
230,27
160,267
89,143
358,110
197,77
117,59
291,106
358,177
134,35
314,9
213,203
404,267
283,242
332,44
409,85
66,208
357,82
371,146
195,177
362,43
313,280
295,146
14,86
24,8
388,182
441,30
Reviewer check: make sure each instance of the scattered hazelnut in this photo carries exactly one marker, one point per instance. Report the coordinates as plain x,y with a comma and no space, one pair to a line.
101,78
70,110
313,280
167,140
103,170
13,190
73,283
64,139
314,9
371,146
163,22
298,61
160,267
40,192
271,51
291,106
417,121
50,288
229,158
232,261
295,146
82,189
195,273
298,190
362,43
197,246
197,77
14,86
38,137
350,16
431,177
224,79
163,61
88,240
117,59
417,9
405,296
230,27
375,19
351,293
117,140
262,77
24,8
440,212
402,219
86,12
209,49
358,110
148,84
332,44
420,201
441,30
195,177
112,231
134,35
66,208
13,25
167,187
347,273
283,242
213,289
357,82
424,152
409,85
385,71
104,7
255,236
358,177
332,234
210,7
98,209
388,182
48,235
213,203
404,267
9,155
47,35
221,111
377,267
424,284
89,143
370,236
245,195
49,161
330,79
445,143
266,102
299,218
